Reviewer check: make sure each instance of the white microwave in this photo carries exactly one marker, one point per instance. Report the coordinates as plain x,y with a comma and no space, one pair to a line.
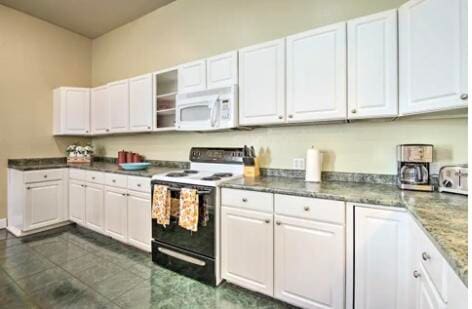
207,110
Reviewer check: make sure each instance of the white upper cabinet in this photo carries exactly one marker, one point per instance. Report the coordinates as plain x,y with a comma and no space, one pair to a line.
262,83
140,103
222,70
192,76
316,74
433,55
118,98
71,111
373,66
100,114
382,259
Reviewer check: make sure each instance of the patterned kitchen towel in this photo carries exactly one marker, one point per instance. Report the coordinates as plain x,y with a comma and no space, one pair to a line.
189,209
161,205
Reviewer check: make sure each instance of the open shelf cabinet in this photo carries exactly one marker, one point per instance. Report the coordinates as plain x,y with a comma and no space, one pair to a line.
165,93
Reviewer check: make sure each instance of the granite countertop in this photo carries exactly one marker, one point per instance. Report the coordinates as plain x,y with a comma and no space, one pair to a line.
443,216
95,166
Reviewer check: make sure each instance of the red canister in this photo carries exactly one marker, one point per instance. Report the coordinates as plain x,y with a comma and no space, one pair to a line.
122,156
129,157
137,158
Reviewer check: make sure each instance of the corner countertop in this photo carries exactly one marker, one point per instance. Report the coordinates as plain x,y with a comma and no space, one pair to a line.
95,166
443,216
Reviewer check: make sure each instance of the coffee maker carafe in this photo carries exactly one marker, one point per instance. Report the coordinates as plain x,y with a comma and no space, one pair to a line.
413,162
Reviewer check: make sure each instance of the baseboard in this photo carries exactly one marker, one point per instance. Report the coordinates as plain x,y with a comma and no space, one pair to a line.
3,223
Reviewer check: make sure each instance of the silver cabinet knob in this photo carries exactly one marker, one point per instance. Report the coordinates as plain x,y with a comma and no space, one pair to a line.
28,188
425,256
139,185
86,131
278,222
93,178
45,176
107,130
290,116
244,199
464,96
281,117
306,208
267,221
353,111
149,128
124,194
416,274
113,180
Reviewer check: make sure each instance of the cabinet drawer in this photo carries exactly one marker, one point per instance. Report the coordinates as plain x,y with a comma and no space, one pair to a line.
248,199
116,180
95,177
77,174
43,175
433,263
141,184
310,208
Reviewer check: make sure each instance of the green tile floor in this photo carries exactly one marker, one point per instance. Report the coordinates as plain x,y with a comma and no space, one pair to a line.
72,267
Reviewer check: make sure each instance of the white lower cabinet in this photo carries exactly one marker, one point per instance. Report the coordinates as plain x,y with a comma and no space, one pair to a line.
44,202
116,212
426,295
309,263
381,258
247,249
139,220
77,202
94,207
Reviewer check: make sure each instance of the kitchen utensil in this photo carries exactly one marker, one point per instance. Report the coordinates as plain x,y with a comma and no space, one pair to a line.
454,179
135,166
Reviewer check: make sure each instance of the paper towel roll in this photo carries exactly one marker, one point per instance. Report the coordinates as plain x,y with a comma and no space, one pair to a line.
314,161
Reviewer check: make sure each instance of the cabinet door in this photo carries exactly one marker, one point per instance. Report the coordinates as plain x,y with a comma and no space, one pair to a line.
100,114
94,207
373,66
44,202
118,96
309,263
247,249
76,110
222,70
262,83
77,202
427,296
316,74
139,220
192,76
433,55
140,103
116,212
382,264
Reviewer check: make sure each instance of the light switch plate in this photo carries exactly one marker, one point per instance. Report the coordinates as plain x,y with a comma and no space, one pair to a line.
298,164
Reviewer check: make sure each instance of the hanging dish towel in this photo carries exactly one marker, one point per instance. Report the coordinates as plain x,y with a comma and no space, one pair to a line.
188,209
161,205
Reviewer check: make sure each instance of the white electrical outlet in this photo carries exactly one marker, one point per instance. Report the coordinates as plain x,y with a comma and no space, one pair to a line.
298,164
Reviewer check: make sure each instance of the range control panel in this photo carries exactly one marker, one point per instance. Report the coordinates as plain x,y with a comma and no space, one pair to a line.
217,155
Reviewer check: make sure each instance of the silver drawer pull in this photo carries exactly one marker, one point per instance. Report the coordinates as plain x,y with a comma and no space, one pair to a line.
267,221
425,256
93,178
306,208
416,274
278,222
139,185
45,176
464,96
181,256
113,180
244,200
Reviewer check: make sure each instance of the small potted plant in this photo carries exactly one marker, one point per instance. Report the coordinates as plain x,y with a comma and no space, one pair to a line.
79,154
70,151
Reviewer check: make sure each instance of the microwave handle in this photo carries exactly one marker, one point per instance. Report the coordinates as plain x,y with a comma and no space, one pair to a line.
214,112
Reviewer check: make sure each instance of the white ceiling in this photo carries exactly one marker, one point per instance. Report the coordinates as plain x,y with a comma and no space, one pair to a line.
91,18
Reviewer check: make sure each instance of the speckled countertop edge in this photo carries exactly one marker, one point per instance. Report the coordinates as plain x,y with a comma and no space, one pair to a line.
442,216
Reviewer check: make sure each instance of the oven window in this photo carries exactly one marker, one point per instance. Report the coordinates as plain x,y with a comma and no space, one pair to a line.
195,113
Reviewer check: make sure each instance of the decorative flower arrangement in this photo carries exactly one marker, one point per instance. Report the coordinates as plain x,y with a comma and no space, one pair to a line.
77,152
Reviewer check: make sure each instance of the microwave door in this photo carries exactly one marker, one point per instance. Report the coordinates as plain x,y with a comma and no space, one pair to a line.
198,115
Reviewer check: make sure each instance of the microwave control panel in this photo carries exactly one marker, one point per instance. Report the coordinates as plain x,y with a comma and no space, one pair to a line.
225,110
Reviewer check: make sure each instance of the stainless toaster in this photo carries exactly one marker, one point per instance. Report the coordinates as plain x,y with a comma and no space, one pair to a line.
453,178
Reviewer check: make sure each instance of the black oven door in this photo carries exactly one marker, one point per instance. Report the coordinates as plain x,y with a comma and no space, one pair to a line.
203,240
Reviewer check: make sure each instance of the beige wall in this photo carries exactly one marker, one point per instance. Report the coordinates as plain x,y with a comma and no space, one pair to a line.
187,30
35,57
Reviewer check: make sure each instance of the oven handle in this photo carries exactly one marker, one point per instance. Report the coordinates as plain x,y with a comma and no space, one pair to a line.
199,191
181,256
